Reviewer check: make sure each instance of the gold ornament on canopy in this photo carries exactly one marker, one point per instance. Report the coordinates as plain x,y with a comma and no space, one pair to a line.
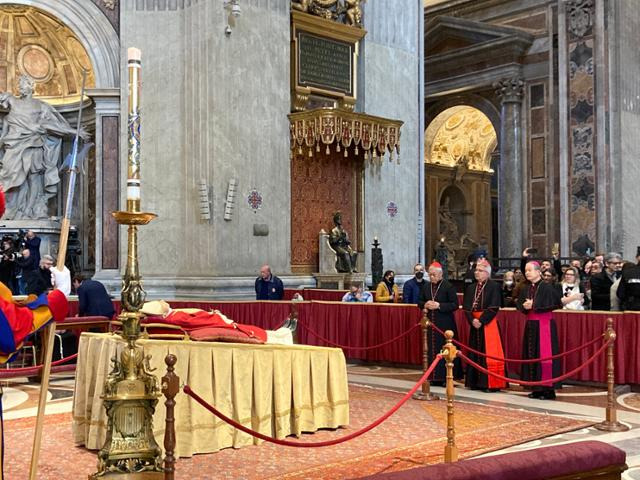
346,11
328,126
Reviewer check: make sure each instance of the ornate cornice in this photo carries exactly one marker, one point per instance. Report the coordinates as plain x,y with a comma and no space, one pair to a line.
510,90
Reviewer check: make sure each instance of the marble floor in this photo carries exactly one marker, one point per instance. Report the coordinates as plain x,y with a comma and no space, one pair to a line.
20,400
581,402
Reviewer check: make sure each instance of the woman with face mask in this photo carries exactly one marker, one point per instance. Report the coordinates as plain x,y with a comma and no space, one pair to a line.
508,286
387,291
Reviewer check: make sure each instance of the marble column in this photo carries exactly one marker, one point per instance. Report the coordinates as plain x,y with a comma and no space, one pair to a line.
510,177
107,112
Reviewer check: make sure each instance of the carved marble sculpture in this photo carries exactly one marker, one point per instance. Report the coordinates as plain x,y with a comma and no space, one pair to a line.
30,141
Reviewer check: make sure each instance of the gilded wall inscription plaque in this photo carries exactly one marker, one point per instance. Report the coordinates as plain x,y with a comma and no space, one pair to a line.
325,63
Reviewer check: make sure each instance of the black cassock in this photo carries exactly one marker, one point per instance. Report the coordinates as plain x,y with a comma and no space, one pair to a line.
445,294
540,333
488,301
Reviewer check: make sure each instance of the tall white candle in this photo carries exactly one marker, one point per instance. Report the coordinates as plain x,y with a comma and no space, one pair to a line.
134,57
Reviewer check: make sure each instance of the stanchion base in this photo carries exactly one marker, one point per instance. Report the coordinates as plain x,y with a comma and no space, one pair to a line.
427,397
450,454
607,426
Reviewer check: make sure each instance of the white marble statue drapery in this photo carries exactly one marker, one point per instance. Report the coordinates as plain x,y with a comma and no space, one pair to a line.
30,145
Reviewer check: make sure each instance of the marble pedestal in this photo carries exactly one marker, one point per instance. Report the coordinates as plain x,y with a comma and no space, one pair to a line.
339,281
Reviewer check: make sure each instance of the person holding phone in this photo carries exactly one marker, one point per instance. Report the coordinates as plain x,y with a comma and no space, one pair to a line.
545,264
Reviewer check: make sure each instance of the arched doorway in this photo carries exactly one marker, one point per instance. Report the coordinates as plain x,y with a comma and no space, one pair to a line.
38,45
459,146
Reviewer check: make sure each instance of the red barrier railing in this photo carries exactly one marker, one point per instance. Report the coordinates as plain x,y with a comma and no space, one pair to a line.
537,383
326,443
347,347
31,371
520,360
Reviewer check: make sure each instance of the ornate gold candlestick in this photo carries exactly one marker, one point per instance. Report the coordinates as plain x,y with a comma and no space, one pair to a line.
131,392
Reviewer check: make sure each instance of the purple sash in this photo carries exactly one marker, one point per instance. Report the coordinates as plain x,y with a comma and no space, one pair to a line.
544,327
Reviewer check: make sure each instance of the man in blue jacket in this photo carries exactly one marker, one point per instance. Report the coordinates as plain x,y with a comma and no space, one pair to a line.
93,299
268,286
413,286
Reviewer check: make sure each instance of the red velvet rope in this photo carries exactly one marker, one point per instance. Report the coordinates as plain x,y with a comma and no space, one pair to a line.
541,383
520,360
345,347
327,443
30,371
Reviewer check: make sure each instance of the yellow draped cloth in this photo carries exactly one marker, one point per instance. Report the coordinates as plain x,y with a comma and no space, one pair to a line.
276,390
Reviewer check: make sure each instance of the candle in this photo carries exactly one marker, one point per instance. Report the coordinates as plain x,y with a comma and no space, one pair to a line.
133,122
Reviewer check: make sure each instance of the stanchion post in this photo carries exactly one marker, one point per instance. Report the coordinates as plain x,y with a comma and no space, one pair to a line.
170,388
425,393
449,354
611,424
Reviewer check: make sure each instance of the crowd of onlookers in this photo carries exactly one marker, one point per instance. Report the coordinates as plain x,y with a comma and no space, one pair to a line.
593,283
601,282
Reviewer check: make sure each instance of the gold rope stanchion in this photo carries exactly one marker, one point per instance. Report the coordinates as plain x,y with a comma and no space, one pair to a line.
425,393
611,424
449,354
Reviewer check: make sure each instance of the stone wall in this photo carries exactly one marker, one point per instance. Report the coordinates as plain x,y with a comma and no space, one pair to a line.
390,76
624,23
214,108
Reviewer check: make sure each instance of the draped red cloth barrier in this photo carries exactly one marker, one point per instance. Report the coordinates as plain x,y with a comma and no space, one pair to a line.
362,324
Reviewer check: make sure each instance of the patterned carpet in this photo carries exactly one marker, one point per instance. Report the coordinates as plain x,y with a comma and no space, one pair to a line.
414,436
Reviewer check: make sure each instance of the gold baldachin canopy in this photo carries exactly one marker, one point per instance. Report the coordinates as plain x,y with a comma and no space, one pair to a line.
374,135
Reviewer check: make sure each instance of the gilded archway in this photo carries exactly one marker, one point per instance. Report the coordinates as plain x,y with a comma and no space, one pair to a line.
459,147
461,136
34,43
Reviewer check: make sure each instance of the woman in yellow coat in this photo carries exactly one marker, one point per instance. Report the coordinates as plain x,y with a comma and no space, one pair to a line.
387,291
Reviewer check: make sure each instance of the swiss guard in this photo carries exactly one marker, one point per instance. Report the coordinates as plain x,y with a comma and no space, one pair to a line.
19,319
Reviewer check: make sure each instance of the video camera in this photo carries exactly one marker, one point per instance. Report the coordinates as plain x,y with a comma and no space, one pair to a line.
10,252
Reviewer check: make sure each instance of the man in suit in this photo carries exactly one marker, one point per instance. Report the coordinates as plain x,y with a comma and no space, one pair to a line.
93,299
601,282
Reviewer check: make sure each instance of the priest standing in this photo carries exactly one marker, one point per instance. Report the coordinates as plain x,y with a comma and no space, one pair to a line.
537,301
439,300
481,302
